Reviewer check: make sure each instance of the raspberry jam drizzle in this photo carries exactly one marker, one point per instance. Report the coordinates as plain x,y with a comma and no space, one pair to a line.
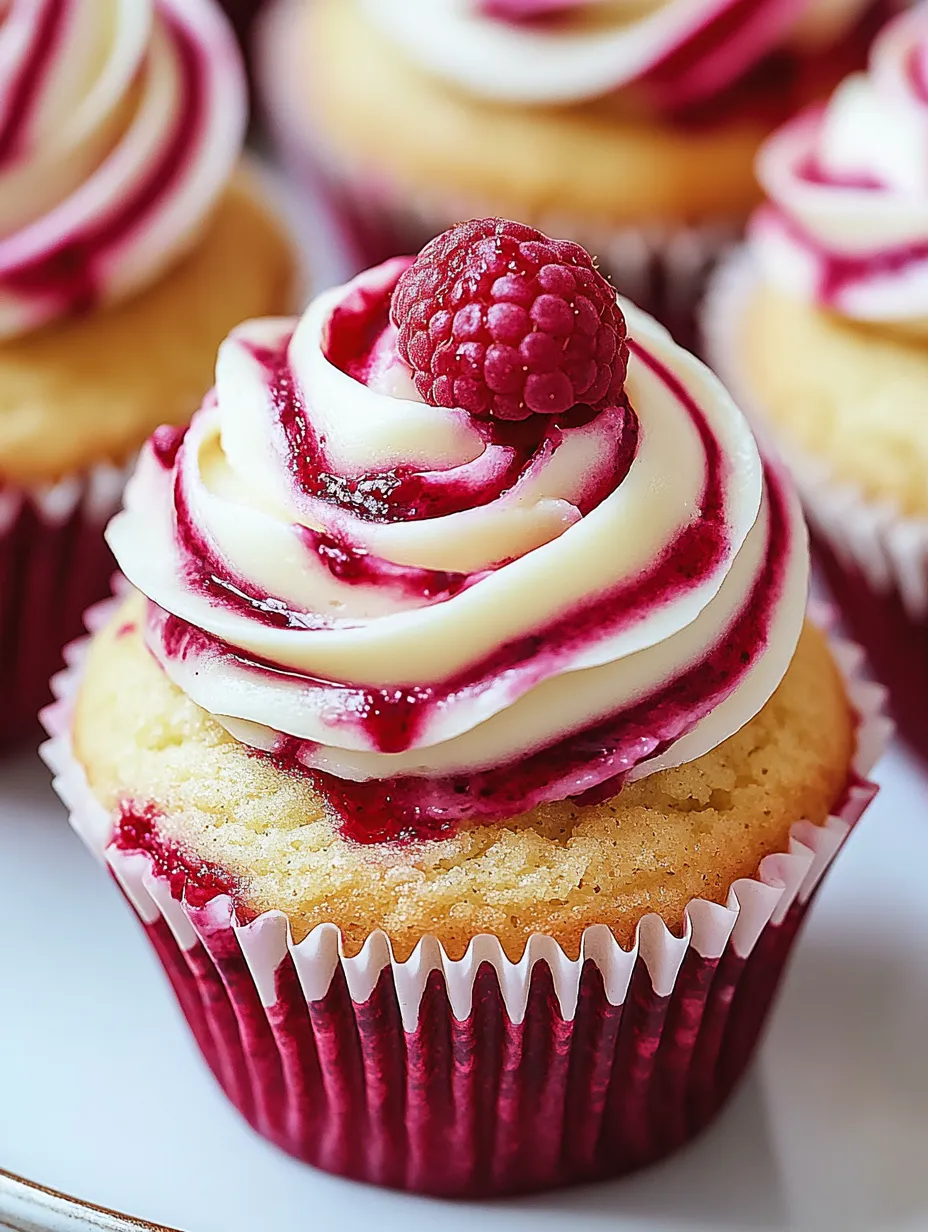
192,879
916,71
354,337
208,572
350,563
728,44
541,14
736,61
402,494
23,91
837,273
165,444
417,809
813,172
68,272
358,567
393,719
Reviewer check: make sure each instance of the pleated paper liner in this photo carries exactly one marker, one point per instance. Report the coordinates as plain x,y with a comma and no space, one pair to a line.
874,559
664,269
479,1076
54,564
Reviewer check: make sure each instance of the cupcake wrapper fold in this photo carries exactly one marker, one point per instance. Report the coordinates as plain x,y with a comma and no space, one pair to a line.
54,563
476,1076
874,559
369,217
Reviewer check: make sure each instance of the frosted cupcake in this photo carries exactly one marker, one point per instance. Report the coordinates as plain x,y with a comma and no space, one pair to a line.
822,325
462,744
630,127
129,246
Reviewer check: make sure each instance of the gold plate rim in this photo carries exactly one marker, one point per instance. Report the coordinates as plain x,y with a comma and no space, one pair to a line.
26,1206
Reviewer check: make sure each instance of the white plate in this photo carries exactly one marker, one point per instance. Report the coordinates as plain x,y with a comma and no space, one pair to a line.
103,1095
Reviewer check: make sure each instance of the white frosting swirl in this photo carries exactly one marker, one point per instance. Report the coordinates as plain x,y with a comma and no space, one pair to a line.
847,226
488,613
120,123
680,50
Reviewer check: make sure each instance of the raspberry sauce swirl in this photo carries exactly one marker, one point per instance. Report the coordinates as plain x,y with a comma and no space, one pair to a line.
561,51
446,618
846,226
120,124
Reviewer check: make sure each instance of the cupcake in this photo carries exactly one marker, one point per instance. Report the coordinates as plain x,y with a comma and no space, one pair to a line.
130,244
461,740
821,326
630,128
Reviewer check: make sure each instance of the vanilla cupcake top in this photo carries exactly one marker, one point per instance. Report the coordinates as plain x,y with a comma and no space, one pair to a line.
846,226
456,545
120,123
561,51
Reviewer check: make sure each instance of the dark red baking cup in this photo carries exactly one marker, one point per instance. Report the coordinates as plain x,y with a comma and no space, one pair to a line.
895,641
483,1106
480,1076
54,564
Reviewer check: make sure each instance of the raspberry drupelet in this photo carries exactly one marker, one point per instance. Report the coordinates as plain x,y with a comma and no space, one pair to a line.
496,318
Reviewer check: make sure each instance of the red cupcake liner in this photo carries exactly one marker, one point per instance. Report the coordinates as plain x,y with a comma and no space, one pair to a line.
479,1076
54,564
663,269
874,560
897,645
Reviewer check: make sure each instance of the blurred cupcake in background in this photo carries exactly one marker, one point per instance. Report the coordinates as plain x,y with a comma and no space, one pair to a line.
821,326
242,14
130,243
631,127
464,745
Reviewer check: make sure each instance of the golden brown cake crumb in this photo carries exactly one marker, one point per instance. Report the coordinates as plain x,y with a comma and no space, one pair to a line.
677,835
92,388
849,395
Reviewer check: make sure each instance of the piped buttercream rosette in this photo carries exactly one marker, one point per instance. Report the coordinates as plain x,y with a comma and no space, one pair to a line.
120,123
846,226
452,616
542,51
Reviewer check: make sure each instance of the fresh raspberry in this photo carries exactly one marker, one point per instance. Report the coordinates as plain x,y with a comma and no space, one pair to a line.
496,318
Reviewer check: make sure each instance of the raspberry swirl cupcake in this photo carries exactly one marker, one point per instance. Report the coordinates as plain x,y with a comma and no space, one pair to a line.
821,325
462,743
129,246
631,128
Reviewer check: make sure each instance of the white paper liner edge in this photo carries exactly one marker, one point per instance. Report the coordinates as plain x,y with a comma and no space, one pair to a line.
709,927
97,491
887,548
